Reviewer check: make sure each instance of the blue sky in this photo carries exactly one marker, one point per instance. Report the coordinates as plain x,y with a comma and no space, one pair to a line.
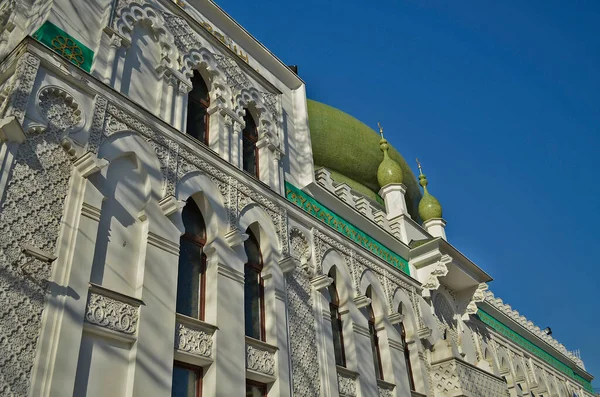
500,100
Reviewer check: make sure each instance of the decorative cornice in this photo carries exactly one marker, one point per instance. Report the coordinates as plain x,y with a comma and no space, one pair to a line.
514,315
524,343
439,269
345,228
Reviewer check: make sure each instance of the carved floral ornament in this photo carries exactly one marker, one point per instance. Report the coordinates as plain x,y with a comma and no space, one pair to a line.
300,247
346,386
259,360
193,341
111,314
59,109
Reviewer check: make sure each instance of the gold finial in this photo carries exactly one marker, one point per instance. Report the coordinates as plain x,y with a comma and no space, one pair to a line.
380,129
419,165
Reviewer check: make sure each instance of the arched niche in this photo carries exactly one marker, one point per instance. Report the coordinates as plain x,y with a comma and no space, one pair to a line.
129,183
402,303
208,198
371,287
335,265
254,216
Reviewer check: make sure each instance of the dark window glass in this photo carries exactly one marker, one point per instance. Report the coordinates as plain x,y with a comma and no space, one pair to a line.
187,381
197,115
336,326
249,151
407,357
191,277
255,389
375,345
253,290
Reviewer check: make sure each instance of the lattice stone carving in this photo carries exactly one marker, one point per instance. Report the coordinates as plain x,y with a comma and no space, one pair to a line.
299,244
30,215
303,340
385,392
193,341
112,314
260,360
346,386
454,377
59,108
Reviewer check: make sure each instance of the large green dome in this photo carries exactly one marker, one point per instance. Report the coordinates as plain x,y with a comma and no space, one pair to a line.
350,150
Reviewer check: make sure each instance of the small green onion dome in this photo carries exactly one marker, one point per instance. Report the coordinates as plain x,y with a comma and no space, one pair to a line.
389,171
429,206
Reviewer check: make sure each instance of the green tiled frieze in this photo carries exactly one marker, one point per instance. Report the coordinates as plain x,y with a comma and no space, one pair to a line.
508,333
64,44
339,224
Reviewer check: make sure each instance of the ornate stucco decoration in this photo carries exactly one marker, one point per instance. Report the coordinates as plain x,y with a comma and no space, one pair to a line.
131,14
346,385
260,358
59,108
529,325
300,246
112,314
194,341
438,270
478,296
385,391
454,377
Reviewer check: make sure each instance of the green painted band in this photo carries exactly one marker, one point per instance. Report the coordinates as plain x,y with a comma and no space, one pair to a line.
65,45
508,333
342,226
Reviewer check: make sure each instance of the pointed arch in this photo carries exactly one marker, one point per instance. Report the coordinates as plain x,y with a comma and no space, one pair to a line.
333,261
403,304
253,215
130,143
208,198
378,296
204,61
136,13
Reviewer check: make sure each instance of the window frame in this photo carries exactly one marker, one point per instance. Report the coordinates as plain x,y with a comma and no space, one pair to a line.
254,142
199,371
263,386
377,362
204,103
334,310
411,379
258,267
199,241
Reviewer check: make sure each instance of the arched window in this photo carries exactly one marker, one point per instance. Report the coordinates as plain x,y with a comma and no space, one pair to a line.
254,302
197,112
411,380
374,340
249,151
191,277
336,326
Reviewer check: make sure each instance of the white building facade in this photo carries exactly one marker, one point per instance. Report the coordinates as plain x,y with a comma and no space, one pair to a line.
164,230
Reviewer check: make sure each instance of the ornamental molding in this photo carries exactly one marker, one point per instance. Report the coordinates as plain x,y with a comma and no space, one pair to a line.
260,358
357,264
478,297
19,90
514,315
111,313
59,108
194,339
439,269
300,247
133,13
455,377
346,385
